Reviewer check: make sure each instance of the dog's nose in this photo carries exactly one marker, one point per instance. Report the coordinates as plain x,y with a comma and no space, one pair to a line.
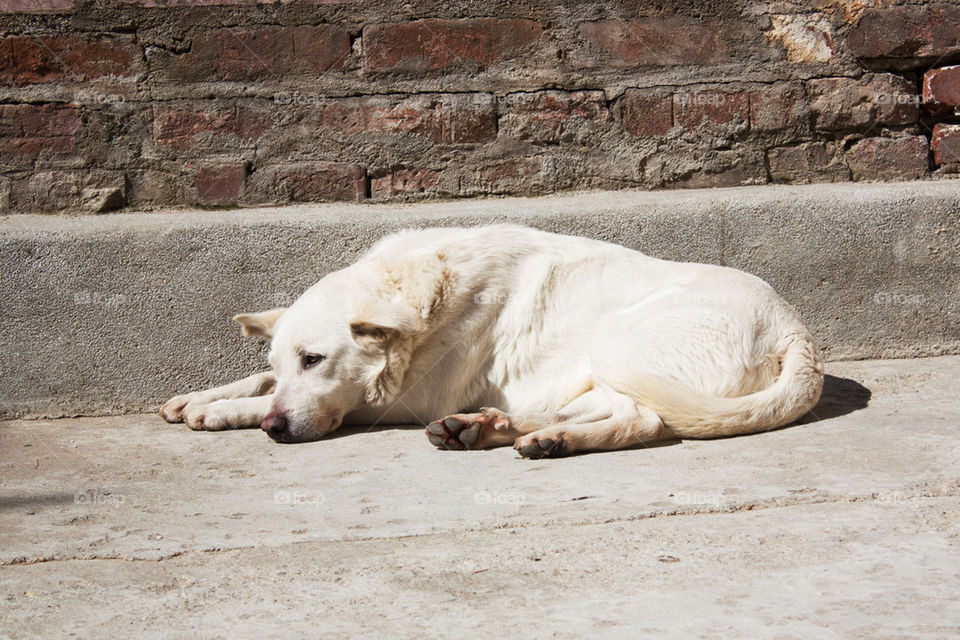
274,424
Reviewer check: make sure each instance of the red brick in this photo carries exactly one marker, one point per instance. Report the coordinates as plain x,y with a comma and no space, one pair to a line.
653,42
28,130
946,143
907,32
220,185
646,113
427,45
809,162
204,3
850,104
322,181
552,117
693,109
262,54
781,107
889,158
182,128
941,89
402,182
444,119
25,60
28,6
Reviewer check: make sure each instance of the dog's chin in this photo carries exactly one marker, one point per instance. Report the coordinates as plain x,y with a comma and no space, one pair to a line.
310,433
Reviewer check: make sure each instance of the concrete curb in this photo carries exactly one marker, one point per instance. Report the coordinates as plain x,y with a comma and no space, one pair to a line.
114,313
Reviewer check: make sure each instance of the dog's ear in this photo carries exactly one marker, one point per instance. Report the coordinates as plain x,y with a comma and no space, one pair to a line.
259,324
385,330
378,323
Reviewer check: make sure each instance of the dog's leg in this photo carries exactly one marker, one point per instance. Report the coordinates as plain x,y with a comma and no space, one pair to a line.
599,419
228,413
256,385
616,432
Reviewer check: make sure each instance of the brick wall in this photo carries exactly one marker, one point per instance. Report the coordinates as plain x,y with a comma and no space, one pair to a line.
107,104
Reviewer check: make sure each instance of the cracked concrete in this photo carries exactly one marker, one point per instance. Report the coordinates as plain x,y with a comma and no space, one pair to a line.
842,526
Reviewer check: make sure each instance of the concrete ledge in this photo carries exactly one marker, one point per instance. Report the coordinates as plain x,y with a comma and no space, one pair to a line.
114,313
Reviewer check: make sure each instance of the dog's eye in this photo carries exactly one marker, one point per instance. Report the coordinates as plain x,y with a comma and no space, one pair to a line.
311,360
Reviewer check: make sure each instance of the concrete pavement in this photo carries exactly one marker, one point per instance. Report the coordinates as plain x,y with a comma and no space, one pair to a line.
847,525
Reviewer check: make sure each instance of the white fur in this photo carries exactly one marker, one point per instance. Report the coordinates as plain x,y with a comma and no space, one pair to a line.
571,339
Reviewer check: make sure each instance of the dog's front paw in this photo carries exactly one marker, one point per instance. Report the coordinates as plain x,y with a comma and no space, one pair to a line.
467,430
173,409
535,447
205,417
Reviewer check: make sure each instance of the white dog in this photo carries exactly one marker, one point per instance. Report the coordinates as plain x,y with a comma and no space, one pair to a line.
580,345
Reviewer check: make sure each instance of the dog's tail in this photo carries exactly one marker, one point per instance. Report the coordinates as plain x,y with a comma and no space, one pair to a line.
689,413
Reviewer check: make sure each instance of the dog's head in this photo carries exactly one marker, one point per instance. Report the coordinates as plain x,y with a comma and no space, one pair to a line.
338,347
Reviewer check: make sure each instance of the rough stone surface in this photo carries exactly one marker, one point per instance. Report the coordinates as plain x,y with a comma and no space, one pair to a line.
809,162
917,32
428,45
881,158
117,312
454,99
946,143
941,89
845,525
845,104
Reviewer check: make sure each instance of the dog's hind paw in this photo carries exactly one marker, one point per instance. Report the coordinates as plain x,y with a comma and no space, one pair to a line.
536,447
467,430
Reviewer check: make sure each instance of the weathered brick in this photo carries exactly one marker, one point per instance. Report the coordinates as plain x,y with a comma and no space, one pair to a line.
404,182
321,182
946,144
552,117
903,158
849,104
921,31
653,42
427,45
806,38
780,108
693,109
220,185
646,113
444,119
29,130
513,175
809,162
698,168
93,191
261,54
28,6
29,60
941,89
5,191
182,128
